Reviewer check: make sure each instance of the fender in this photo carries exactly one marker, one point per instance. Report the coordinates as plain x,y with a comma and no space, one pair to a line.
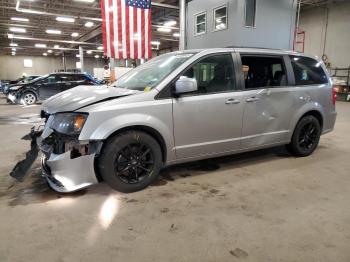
311,106
112,125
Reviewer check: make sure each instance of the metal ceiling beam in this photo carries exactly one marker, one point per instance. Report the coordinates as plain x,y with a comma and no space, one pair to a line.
51,40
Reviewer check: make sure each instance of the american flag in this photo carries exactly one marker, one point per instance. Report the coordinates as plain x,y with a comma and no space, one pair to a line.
127,28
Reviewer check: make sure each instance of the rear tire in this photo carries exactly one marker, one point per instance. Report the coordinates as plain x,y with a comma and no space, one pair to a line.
306,137
28,98
130,161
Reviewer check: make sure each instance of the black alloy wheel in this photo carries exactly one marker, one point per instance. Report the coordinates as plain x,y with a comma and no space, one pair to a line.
134,163
130,161
306,136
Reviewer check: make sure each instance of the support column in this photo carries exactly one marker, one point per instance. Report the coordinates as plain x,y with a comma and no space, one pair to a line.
64,61
112,69
81,54
182,42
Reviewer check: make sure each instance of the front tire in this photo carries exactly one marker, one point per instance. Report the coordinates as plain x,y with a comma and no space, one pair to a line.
130,161
306,136
28,98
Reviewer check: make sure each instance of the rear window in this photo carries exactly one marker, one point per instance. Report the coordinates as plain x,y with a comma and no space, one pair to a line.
308,71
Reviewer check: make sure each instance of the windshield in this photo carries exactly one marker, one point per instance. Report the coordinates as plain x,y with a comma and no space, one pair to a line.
37,79
150,74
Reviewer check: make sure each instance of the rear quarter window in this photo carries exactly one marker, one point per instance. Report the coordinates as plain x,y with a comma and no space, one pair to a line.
308,71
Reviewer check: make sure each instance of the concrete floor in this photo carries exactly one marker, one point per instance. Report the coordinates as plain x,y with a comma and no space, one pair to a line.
259,206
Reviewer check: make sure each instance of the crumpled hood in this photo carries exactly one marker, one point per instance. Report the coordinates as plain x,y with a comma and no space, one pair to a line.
82,96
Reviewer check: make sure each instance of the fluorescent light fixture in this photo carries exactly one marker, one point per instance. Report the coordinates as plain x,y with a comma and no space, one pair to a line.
97,56
89,24
13,53
170,23
18,29
75,34
56,46
44,54
49,51
13,49
13,44
100,48
78,56
10,36
164,29
89,52
40,45
155,43
53,31
176,34
20,19
65,19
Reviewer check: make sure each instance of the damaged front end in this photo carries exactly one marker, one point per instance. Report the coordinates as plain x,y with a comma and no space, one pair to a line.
68,163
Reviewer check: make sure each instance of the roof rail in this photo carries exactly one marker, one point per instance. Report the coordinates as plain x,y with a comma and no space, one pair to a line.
253,47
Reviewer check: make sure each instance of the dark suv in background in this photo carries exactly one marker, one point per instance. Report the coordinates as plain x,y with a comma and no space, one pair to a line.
7,84
47,86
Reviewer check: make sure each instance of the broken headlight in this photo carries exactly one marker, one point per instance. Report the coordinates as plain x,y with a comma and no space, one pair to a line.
68,123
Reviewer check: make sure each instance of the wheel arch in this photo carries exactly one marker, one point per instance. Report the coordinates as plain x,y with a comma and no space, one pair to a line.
148,130
317,114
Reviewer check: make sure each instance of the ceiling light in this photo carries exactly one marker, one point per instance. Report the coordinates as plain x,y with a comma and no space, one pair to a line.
89,24
77,56
13,49
164,29
65,19
97,56
100,48
53,31
10,36
13,44
170,23
40,45
89,52
13,53
18,29
20,19
75,34
155,43
176,34
44,54
49,51
56,46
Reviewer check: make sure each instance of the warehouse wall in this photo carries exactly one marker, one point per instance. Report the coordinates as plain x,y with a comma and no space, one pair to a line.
11,67
275,21
335,43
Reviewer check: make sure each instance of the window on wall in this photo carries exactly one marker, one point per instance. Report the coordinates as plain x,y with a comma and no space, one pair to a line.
250,12
27,63
200,24
220,18
308,71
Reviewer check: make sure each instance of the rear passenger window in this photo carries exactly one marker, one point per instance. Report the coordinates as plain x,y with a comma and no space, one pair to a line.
260,71
308,71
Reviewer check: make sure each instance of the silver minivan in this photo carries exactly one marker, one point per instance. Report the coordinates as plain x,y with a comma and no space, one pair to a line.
181,107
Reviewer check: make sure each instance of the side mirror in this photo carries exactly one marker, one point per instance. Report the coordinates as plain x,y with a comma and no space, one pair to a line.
185,85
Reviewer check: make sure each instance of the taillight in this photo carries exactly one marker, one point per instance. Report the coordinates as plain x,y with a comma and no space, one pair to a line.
334,95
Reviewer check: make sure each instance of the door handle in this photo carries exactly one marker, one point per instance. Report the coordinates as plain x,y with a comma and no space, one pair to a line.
231,101
252,99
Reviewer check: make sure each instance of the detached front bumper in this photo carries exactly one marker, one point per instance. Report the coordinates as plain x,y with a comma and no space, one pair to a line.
68,171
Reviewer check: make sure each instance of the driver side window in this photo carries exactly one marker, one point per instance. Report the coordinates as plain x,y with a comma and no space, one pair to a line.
214,74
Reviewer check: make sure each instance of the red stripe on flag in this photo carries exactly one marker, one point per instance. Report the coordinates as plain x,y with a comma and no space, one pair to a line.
127,31
104,37
149,33
143,25
111,27
120,36
136,40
